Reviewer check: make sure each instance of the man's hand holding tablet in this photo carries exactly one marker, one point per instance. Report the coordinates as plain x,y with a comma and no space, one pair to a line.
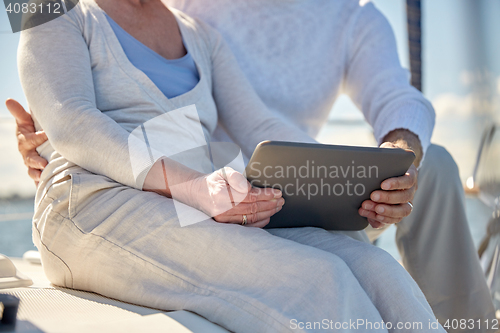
394,201
326,185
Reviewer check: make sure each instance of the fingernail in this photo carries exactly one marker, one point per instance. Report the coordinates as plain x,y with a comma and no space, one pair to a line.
278,209
367,206
277,194
376,197
280,202
386,186
380,209
363,212
380,218
377,223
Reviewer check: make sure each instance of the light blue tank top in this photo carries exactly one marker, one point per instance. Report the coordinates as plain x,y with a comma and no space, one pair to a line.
173,77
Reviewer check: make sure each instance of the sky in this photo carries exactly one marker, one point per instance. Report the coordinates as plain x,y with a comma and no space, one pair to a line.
461,77
9,82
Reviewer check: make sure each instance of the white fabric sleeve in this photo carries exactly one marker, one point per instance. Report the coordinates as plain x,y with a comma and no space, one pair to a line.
55,72
241,112
376,82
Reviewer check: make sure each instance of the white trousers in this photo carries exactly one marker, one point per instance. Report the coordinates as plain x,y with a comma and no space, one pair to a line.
100,236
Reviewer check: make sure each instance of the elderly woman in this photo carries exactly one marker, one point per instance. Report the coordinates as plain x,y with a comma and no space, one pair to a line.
105,69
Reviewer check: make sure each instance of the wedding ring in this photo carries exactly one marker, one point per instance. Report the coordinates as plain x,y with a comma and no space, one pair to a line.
411,206
245,220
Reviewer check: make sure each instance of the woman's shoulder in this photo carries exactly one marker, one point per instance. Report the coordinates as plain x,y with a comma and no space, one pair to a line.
49,14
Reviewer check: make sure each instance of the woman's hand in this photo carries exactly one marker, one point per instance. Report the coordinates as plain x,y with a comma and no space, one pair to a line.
28,140
227,196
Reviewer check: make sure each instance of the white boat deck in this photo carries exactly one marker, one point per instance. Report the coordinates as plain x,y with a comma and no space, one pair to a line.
46,308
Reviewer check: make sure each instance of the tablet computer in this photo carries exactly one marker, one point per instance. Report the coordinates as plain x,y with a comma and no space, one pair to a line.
323,185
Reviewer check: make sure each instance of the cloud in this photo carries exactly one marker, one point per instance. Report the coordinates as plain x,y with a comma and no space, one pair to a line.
453,105
482,100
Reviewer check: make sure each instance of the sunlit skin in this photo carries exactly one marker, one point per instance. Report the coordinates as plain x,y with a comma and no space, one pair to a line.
150,22
28,139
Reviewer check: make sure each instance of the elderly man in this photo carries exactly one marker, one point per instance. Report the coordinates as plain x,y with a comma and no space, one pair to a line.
299,56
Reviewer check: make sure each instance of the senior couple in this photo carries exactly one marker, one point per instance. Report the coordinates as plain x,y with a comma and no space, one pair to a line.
255,70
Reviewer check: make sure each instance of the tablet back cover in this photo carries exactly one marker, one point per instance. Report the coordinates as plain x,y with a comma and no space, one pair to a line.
323,185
